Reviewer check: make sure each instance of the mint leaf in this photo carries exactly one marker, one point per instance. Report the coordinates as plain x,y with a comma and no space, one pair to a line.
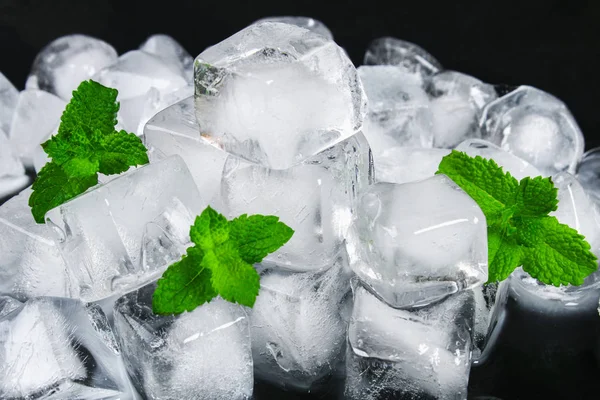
184,286
555,253
53,187
483,180
258,235
520,232
224,251
86,144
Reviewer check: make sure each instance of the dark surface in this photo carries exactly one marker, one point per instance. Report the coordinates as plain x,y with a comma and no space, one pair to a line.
553,45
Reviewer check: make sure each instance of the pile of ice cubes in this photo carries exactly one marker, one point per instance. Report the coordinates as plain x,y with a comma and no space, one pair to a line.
378,295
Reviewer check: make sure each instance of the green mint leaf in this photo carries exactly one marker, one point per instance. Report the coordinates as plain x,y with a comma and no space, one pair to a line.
184,286
520,232
119,151
53,187
258,235
86,143
209,230
555,253
483,180
536,197
234,279
220,263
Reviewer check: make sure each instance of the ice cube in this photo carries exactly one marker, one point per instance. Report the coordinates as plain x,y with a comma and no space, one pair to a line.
311,24
276,94
31,264
10,165
9,185
588,173
577,210
136,72
408,56
423,353
176,131
535,126
316,198
8,103
298,333
406,164
517,167
40,158
57,348
166,47
37,115
398,110
456,104
67,61
203,354
416,243
103,233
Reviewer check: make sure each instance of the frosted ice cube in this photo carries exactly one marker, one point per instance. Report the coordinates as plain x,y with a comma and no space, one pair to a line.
535,126
588,173
298,333
67,61
10,165
316,198
176,131
136,72
416,243
414,353
103,233
408,56
31,264
406,164
40,158
8,103
576,209
517,167
166,47
203,354
55,348
456,104
311,24
276,94
37,115
398,109
9,185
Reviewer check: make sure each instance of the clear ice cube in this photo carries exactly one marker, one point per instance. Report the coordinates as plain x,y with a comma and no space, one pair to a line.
107,234
276,94
31,264
423,353
37,115
316,198
176,131
166,47
405,55
398,109
535,126
10,165
136,72
311,24
588,173
456,104
517,167
67,61
297,330
577,210
416,243
408,164
55,348
8,103
203,354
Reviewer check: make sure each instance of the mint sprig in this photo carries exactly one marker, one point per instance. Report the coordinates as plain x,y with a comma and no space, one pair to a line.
220,262
86,144
520,231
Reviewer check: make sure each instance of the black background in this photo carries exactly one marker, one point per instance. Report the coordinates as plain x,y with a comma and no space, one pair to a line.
553,45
